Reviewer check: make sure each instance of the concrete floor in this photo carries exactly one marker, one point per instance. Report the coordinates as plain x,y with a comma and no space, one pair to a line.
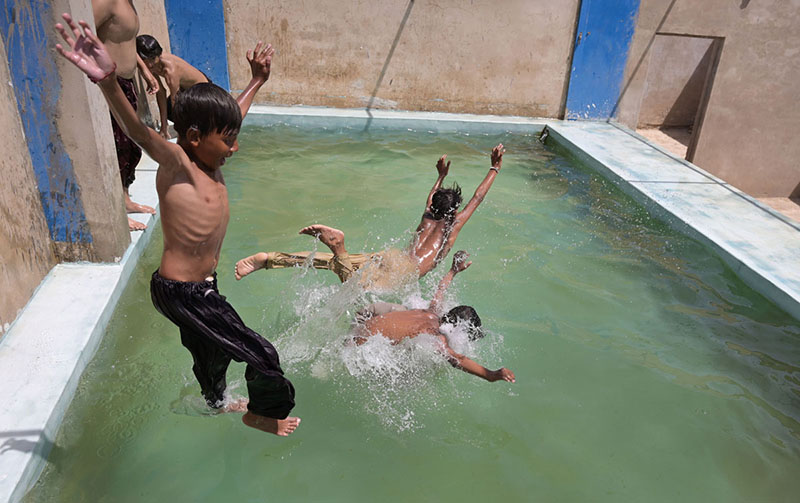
676,141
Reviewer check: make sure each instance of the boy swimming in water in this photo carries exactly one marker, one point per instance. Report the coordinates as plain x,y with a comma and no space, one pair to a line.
179,75
434,238
396,323
194,217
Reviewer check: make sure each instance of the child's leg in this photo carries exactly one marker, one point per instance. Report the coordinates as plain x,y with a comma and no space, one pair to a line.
271,400
210,366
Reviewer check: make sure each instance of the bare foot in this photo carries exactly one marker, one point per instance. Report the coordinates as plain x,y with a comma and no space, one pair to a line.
133,225
250,264
280,427
332,238
239,405
131,207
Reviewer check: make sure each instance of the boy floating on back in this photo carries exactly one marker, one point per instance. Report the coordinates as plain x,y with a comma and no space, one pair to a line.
434,238
194,216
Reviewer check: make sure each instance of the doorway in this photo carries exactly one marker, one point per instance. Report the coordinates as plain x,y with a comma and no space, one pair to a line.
677,89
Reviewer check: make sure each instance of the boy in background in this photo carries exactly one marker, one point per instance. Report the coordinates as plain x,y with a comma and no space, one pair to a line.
179,75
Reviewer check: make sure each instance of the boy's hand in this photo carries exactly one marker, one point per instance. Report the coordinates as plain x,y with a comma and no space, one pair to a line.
443,168
460,261
88,52
260,61
497,156
152,83
503,374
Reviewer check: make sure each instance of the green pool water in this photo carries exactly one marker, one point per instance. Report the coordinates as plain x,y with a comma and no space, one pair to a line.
646,370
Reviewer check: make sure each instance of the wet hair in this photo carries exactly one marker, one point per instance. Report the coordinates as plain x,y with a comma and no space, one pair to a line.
207,108
148,47
445,202
468,315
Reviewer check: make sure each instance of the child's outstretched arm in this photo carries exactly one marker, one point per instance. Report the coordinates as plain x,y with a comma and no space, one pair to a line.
480,193
471,367
90,55
443,169
460,263
260,60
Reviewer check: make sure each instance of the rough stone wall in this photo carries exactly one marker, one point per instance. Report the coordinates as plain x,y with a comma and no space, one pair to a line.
509,58
25,251
749,133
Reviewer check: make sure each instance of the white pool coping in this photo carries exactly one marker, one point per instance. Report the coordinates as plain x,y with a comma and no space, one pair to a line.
45,351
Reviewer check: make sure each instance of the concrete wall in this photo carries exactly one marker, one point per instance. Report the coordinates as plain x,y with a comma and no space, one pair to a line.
474,57
61,199
673,87
749,134
25,251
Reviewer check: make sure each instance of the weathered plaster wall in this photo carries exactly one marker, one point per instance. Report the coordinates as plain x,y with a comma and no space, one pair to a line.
749,134
450,55
25,251
84,126
674,85
61,199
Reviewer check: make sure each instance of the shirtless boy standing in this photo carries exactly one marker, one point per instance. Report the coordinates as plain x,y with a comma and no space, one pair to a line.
396,323
178,73
434,238
194,217
117,25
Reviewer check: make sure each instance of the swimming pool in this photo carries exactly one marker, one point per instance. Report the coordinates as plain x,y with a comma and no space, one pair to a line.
646,369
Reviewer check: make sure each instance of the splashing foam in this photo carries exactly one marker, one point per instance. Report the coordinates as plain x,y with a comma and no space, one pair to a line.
396,383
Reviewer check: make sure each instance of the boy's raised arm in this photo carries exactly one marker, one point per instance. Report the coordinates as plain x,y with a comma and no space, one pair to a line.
260,60
90,55
459,264
483,187
480,193
443,169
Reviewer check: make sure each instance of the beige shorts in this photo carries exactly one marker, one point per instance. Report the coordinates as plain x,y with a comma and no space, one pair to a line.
381,271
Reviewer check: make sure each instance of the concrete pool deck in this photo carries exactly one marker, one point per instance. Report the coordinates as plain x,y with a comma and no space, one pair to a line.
44,353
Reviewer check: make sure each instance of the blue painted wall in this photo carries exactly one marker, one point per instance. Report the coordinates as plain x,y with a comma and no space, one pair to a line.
197,34
605,30
26,26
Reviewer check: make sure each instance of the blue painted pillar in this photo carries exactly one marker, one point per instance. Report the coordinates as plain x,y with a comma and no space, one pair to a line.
26,26
197,34
605,30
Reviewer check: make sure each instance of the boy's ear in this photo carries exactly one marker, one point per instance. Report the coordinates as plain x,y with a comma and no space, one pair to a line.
193,135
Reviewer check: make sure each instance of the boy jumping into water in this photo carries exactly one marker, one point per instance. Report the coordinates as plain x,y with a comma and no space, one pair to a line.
179,75
194,217
434,238
396,323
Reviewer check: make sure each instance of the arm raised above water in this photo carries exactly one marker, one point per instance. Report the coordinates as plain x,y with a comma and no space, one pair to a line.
460,263
443,169
260,60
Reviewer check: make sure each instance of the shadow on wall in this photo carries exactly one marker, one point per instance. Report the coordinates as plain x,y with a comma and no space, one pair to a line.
684,109
636,68
386,63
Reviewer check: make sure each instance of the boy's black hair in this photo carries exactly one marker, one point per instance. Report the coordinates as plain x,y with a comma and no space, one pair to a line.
148,47
445,202
466,314
207,108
